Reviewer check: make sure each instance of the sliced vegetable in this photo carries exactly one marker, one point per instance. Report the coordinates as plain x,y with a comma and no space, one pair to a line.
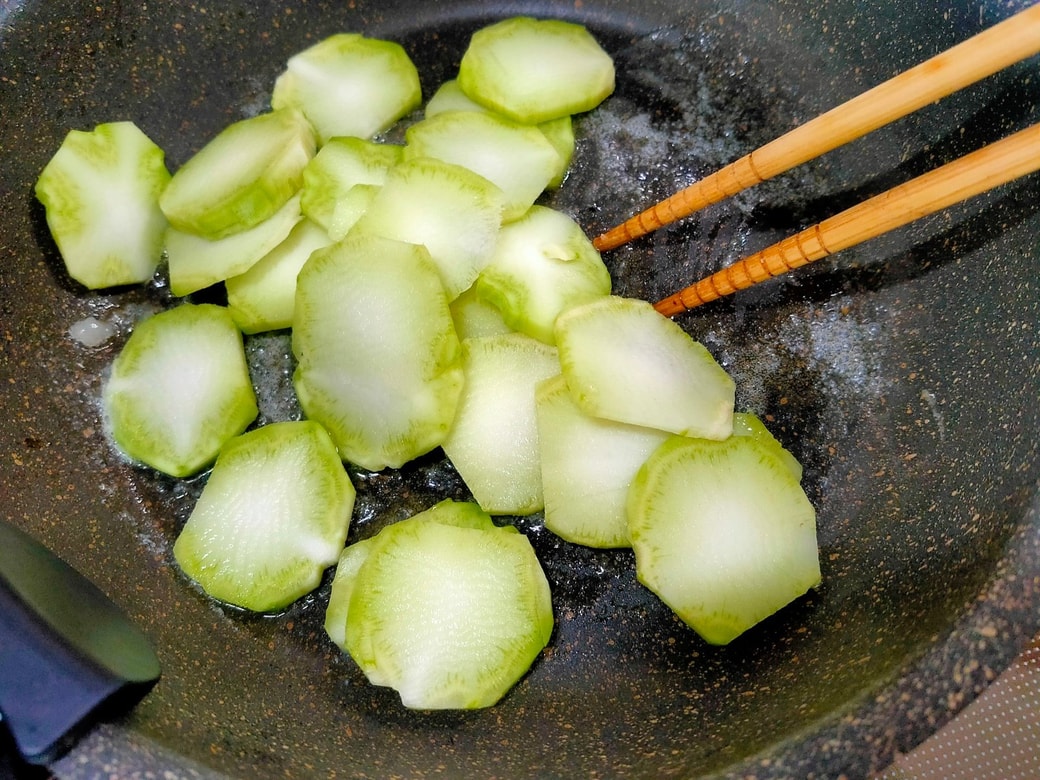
195,263
263,297
448,512
347,568
272,517
241,177
559,132
722,532
493,442
534,70
378,357
625,362
180,389
588,465
349,85
448,615
450,210
517,158
101,194
543,265
338,166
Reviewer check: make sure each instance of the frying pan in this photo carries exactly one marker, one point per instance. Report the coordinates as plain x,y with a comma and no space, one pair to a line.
903,373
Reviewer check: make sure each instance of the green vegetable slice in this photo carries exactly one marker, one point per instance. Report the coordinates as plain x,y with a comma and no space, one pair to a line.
517,158
101,194
378,357
180,389
450,616
588,465
195,263
452,211
349,85
272,517
241,177
625,362
448,209
493,442
263,298
534,70
475,317
722,532
543,265
338,166
460,514
559,132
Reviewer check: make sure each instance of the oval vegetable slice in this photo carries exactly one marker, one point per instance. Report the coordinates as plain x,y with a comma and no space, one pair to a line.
349,85
534,70
378,357
588,464
722,533
449,614
517,158
263,298
180,389
543,265
452,211
493,442
272,517
242,176
194,262
101,194
625,362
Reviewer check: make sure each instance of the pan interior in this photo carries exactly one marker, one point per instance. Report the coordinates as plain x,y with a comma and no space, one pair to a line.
908,393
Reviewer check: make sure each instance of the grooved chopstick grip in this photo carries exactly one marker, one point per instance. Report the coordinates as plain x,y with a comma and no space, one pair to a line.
990,51
989,167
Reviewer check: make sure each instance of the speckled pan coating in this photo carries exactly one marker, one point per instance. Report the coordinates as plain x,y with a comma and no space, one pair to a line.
904,374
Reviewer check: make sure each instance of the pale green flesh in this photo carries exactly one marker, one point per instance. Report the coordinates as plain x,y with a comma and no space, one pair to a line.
517,158
475,317
196,263
722,533
272,517
559,132
450,210
533,70
587,467
450,616
347,568
101,194
241,177
263,298
180,389
625,362
493,442
456,513
349,85
378,357
350,208
543,265
338,166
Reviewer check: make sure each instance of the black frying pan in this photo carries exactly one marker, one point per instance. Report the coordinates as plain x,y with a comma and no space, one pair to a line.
903,373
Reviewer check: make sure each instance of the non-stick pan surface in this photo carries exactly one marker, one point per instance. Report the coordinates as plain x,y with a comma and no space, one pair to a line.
904,374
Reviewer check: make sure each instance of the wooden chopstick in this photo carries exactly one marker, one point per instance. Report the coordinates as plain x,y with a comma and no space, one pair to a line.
989,167
1002,45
